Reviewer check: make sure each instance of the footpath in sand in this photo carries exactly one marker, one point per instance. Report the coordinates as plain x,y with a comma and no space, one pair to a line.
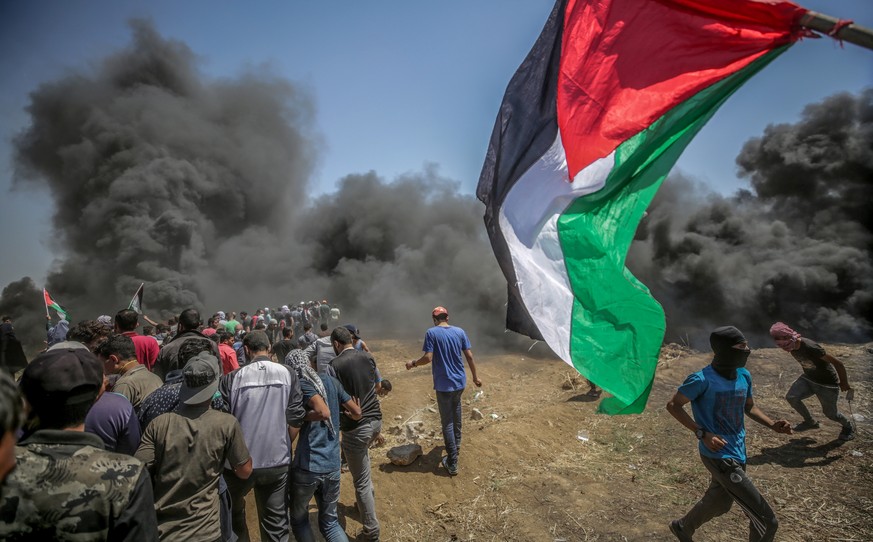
527,472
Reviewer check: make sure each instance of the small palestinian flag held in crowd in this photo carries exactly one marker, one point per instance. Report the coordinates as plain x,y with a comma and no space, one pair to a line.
136,302
590,125
52,304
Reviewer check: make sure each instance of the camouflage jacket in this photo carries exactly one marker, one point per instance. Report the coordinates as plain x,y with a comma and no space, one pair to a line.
67,487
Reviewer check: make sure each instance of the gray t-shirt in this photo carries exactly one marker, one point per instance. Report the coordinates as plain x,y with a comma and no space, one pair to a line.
322,352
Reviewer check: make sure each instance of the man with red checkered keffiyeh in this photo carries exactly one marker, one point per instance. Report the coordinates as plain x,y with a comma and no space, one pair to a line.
823,376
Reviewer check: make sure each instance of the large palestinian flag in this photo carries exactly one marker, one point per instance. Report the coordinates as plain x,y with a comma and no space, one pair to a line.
592,121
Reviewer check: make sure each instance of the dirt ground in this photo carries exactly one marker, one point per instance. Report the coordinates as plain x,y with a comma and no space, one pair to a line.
526,475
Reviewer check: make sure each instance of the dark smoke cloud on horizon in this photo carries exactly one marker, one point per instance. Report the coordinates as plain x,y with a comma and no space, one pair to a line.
22,301
153,168
796,247
199,189
393,251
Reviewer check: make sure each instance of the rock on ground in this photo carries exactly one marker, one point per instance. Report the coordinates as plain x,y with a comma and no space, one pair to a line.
404,455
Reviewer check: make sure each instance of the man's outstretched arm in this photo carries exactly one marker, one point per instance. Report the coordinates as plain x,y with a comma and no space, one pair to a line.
752,411
841,371
426,358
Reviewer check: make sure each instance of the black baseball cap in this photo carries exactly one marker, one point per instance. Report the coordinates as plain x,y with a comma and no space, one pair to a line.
62,377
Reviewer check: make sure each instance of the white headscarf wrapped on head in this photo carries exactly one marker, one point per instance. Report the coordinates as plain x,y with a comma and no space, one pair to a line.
299,361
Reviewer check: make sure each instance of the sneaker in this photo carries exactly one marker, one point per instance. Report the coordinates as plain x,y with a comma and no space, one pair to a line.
848,433
676,529
806,425
451,469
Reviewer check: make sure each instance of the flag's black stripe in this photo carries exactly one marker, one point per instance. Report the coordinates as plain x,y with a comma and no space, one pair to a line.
525,128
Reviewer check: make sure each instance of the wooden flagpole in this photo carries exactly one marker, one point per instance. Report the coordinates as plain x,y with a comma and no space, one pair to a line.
838,29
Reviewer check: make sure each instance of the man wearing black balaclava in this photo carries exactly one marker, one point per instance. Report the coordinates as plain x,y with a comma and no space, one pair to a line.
720,394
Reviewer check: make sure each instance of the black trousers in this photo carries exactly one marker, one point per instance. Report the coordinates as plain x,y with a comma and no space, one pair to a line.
730,484
270,488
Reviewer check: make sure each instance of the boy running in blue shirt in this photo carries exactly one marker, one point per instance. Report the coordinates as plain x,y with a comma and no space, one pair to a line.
720,394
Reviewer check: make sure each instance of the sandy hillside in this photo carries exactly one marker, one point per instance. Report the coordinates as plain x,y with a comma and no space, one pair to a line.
525,474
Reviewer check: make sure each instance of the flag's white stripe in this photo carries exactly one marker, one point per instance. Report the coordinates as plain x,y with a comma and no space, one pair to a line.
529,223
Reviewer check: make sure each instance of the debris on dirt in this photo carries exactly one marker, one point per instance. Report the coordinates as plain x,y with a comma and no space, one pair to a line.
395,430
414,429
571,382
671,352
404,455
476,414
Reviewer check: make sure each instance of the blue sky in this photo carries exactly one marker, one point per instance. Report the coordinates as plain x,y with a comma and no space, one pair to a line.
397,84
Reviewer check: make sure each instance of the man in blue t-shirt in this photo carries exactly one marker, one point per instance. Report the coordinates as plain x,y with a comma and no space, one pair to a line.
315,468
113,419
720,395
443,346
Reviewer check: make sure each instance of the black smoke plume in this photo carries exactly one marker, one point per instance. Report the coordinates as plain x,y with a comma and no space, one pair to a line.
153,168
197,188
796,247
393,251
22,301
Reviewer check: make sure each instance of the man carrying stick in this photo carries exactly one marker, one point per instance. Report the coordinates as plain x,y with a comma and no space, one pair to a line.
823,376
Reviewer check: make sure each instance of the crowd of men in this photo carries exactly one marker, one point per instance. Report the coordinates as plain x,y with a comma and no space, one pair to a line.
162,435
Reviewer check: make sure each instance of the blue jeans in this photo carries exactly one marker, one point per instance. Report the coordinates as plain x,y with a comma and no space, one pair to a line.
449,403
326,489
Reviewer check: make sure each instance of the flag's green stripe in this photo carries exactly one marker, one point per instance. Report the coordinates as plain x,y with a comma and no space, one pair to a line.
617,326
